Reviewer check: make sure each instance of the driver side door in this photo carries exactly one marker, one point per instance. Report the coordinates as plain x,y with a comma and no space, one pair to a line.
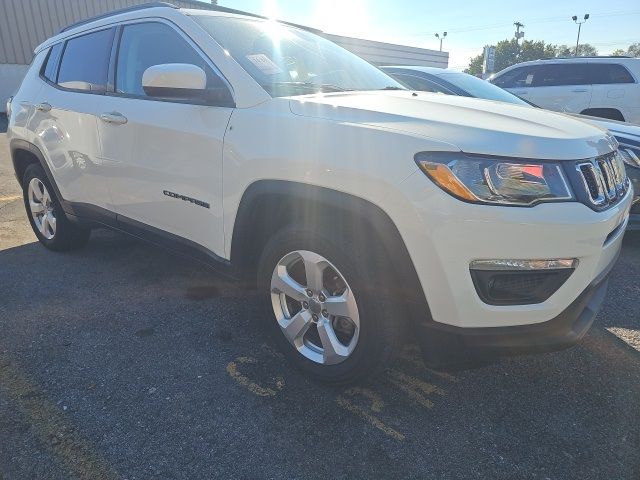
164,155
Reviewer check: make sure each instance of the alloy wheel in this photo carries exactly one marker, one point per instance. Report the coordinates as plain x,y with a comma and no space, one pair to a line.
315,307
41,207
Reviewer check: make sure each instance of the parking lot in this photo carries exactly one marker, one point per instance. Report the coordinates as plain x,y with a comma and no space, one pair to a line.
123,361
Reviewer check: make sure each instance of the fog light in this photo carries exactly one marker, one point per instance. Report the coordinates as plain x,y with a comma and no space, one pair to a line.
520,282
547,264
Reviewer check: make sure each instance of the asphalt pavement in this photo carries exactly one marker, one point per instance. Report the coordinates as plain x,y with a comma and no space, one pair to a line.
123,361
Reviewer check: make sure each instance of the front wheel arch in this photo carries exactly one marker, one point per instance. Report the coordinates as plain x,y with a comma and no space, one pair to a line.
267,206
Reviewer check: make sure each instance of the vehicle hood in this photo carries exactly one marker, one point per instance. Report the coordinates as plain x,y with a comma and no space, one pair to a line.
470,124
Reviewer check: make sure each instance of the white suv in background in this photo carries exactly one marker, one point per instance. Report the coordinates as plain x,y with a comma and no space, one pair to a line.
358,209
598,86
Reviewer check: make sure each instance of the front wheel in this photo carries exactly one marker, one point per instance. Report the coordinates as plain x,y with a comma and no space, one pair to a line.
326,314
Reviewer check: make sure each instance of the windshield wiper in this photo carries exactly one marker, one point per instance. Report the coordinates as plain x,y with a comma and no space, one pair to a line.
393,88
320,87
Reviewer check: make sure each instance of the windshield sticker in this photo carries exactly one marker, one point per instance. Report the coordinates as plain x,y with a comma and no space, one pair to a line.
529,79
264,64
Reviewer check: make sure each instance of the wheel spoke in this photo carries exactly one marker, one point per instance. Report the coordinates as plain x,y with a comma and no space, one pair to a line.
36,191
297,326
342,306
43,227
36,207
314,266
332,350
282,282
45,197
52,222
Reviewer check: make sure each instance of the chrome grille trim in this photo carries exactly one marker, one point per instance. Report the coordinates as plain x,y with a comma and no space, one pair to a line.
604,179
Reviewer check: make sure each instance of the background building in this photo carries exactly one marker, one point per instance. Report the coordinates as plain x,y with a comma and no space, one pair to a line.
24,24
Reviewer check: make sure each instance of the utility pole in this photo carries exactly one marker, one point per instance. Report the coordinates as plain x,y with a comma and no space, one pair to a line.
518,33
575,19
441,38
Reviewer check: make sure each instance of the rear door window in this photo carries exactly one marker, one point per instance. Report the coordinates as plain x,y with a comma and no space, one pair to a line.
604,73
561,74
85,62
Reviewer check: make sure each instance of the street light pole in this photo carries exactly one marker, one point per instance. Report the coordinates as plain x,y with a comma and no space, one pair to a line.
575,19
441,38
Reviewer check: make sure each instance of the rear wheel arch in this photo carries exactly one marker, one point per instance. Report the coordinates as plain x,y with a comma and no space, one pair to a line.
609,113
267,206
22,156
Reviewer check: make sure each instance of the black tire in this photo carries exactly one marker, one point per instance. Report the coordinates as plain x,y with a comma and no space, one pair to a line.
380,329
68,236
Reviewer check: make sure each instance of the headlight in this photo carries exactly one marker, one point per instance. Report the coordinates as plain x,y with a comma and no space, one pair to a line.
630,154
495,181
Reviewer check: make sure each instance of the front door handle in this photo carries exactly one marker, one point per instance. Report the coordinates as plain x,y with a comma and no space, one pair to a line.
523,92
113,117
579,90
43,107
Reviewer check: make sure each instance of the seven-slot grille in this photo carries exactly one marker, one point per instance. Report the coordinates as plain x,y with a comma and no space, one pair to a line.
605,179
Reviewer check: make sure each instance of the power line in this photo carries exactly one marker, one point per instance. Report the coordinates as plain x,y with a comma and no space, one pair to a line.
475,28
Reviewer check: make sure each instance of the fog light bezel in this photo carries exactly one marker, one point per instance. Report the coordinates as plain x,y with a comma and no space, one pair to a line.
549,274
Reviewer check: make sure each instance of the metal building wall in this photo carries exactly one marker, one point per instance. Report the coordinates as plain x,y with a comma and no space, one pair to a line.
24,24
381,54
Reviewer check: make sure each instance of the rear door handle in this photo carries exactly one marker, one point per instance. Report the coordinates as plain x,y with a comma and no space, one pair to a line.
43,107
113,117
579,90
523,92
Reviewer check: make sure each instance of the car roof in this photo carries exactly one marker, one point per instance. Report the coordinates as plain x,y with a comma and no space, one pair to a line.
602,59
153,9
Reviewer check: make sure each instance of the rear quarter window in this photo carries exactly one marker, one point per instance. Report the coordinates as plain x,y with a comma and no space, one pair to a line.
50,66
605,73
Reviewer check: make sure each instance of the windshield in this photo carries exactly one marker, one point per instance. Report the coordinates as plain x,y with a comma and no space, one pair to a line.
288,61
481,88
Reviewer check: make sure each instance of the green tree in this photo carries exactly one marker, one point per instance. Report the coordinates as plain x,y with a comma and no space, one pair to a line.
510,52
619,52
634,50
475,65
584,50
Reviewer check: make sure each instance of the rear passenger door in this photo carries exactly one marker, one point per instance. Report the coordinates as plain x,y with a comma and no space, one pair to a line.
65,120
613,88
165,155
563,87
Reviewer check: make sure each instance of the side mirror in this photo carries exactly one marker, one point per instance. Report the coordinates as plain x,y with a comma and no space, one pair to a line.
174,80
183,81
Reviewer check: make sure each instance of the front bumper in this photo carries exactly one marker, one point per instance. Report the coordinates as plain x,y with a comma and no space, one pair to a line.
443,236
561,332
634,217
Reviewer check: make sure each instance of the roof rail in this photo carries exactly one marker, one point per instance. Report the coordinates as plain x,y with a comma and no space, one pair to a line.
220,8
586,56
196,4
117,12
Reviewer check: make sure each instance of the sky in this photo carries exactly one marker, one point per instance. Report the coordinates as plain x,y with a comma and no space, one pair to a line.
469,24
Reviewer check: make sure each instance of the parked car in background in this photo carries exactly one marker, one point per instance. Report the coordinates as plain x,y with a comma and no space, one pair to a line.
606,87
439,80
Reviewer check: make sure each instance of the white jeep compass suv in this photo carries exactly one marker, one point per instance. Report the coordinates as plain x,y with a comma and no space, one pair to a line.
359,209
